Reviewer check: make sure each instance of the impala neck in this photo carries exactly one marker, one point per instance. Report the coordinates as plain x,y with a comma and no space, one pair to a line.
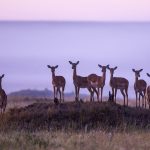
74,73
104,77
53,75
136,79
0,84
111,77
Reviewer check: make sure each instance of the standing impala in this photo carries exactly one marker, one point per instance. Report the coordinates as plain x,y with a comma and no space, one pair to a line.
80,82
118,83
98,81
3,96
148,92
139,87
58,82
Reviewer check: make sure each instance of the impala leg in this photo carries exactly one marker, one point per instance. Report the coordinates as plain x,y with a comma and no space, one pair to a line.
139,99
60,94
141,95
5,103
94,90
78,91
145,102
91,94
145,97
101,93
123,96
136,98
63,93
54,91
148,102
126,91
115,94
142,99
98,93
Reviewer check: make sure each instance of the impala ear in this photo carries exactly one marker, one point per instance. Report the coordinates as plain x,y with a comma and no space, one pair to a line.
115,68
56,66
133,70
140,70
148,74
49,66
77,63
70,62
107,66
100,65
2,75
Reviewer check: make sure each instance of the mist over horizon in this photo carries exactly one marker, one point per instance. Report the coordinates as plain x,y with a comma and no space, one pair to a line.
28,47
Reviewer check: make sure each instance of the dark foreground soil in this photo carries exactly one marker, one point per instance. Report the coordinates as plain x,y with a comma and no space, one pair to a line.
74,115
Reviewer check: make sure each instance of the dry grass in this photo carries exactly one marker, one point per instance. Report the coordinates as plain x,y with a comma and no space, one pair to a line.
93,140
18,102
38,124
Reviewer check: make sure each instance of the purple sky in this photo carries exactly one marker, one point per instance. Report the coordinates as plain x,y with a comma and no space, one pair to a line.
75,10
26,49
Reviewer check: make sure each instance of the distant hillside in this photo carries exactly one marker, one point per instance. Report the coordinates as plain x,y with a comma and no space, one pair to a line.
32,93
39,93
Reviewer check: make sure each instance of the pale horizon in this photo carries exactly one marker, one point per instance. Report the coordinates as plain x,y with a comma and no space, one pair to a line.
28,48
35,33
70,10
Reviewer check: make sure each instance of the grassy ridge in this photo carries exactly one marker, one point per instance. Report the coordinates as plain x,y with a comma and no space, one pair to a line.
74,116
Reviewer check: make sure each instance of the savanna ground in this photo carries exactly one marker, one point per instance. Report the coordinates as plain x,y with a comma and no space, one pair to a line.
39,124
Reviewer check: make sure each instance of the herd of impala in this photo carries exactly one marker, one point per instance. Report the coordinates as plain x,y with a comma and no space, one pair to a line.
94,84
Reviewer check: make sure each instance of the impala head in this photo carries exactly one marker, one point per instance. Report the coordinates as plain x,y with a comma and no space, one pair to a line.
52,68
112,70
2,76
74,65
148,74
137,72
104,67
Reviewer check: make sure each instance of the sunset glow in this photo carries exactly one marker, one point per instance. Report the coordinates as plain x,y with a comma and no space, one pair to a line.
75,10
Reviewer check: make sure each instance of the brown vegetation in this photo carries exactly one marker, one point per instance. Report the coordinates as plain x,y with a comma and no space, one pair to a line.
74,115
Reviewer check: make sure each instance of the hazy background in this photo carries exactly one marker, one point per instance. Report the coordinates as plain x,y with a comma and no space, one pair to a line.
34,33
75,10
27,47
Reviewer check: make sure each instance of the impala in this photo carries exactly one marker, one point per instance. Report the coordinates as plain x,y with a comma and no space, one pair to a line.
80,82
98,81
139,87
58,82
118,83
3,96
148,92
